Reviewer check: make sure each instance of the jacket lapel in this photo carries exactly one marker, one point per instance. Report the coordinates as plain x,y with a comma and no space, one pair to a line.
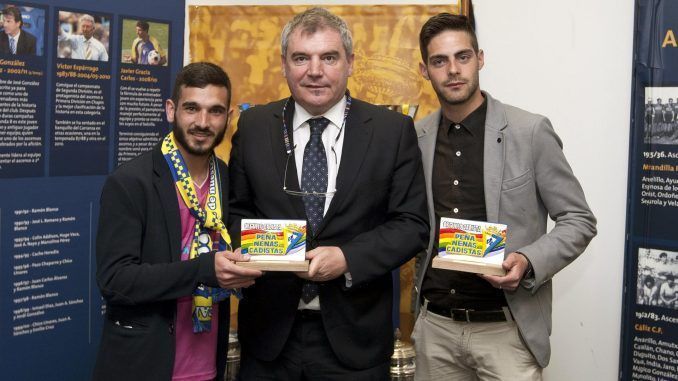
164,186
281,158
427,142
493,161
357,136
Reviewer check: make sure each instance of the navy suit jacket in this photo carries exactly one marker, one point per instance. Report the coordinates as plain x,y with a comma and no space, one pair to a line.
377,217
25,45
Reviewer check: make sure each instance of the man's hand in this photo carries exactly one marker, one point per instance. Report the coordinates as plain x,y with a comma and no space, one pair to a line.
515,265
327,263
231,275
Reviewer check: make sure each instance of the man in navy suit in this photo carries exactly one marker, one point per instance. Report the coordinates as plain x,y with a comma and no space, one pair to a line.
353,171
15,40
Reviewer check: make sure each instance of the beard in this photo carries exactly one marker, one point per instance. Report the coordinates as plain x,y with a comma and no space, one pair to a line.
460,97
180,134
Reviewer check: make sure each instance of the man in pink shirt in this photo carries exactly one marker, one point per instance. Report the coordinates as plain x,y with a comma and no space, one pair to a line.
164,263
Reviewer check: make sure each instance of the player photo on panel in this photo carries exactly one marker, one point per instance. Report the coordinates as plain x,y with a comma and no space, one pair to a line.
661,115
145,42
657,271
22,30
83,36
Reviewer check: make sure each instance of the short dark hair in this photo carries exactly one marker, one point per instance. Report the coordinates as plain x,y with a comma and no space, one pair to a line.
649,280
15,13
312,20
663,254
201,74
440,23
143,25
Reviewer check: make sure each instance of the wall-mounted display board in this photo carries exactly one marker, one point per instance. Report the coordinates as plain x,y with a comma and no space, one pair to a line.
649,347
79,95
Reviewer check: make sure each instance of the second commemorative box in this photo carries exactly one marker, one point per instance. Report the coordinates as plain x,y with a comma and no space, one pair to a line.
471,246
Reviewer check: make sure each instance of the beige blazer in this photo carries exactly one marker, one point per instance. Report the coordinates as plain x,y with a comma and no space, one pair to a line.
527,179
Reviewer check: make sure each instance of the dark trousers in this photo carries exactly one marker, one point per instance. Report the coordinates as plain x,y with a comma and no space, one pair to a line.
307,355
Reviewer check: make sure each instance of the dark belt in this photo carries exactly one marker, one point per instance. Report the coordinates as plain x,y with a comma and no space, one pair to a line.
469,315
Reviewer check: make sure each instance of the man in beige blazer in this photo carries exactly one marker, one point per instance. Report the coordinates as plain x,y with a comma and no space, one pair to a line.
484,160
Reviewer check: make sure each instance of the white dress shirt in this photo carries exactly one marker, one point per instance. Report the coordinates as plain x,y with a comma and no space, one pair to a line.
333,140
79,46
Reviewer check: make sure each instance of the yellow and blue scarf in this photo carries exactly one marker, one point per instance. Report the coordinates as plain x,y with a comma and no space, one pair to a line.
206,219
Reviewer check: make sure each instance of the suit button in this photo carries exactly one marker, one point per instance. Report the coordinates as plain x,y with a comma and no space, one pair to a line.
455,210
171,329
453,291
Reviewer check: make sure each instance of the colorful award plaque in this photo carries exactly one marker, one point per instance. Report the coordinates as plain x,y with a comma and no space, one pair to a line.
471,246
274,245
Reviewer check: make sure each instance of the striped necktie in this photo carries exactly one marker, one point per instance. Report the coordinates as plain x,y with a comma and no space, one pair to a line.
88,50
12,45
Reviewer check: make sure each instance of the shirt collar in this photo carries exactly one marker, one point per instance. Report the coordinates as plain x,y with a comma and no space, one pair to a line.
473,121
16,36
334,114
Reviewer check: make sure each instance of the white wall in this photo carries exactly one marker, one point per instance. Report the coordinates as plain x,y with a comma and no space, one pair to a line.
571,61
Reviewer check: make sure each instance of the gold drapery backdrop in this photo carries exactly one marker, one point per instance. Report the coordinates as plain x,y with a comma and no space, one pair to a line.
245,41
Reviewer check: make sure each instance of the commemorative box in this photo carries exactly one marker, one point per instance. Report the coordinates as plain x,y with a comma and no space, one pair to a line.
471,246
274,245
